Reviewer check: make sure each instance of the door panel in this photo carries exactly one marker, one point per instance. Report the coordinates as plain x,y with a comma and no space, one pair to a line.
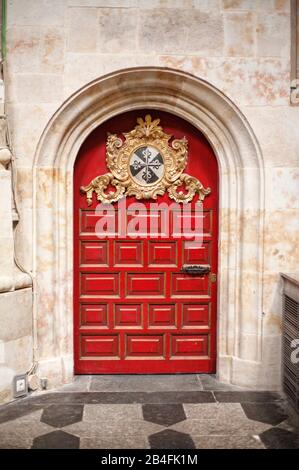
135,311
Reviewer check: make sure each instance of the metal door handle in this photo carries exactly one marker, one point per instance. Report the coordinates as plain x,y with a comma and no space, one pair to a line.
195,269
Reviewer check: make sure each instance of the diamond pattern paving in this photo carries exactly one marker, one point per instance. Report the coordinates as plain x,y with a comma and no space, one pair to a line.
166,416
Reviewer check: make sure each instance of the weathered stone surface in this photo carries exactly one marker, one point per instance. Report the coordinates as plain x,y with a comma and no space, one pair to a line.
276,131
18,353
177,31
240,4
19,323
117,31
263,5
34,49
273,35
82,30
36,12
36,88
239,34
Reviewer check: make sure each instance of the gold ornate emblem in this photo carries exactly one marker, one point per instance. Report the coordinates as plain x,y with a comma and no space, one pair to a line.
144,165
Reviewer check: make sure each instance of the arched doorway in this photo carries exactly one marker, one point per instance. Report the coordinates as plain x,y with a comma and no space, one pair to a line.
241,213
139,307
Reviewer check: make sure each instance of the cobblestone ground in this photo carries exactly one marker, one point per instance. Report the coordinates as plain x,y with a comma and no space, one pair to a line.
157,412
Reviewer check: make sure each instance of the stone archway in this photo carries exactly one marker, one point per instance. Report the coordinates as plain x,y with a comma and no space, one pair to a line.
241,212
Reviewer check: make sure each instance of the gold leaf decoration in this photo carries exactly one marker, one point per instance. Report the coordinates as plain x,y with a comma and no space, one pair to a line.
144,165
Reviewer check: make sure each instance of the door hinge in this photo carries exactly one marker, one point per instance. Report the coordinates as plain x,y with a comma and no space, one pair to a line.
213,277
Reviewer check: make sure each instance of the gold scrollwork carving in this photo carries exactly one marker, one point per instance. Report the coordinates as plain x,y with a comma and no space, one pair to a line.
145,165
192,186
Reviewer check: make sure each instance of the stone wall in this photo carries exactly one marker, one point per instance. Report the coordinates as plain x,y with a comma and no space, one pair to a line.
16,351
242,47
297,37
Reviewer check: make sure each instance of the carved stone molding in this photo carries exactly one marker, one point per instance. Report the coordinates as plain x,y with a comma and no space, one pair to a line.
241,202
5,153
145,166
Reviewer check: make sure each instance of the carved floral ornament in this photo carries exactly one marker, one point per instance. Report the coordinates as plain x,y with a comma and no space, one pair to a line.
144,165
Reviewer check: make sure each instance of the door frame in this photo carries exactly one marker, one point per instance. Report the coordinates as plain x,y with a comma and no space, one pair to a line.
241,212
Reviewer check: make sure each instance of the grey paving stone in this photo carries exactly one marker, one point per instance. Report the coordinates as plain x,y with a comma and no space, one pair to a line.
56,440
246,397
165,414
209,382
81,383
17,409
220,411
170,439
271,413
145,383
228,427
227,442
107,413
112,429
59,416
19,433
116,442
277,438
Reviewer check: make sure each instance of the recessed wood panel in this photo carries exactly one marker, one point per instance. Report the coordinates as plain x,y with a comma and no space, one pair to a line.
101,346
196,315
127,315
146,345
128,253
94,253
189,345
94,315
185,285
88,220
196,253
162,316
102,223
142,222
144,284
188,224
100,284
162,253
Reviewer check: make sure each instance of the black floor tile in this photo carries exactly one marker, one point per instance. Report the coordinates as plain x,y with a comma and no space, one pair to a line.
277,438
62,415
269,413
166,414
179,397
246,397
170,439
124,397
56,440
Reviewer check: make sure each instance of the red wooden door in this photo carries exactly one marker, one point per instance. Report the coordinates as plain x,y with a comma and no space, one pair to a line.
134,310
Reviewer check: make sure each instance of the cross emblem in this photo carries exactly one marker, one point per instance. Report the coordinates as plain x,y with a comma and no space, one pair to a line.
146,165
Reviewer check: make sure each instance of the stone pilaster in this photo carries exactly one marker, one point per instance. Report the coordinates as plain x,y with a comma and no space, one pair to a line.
6,230
11,277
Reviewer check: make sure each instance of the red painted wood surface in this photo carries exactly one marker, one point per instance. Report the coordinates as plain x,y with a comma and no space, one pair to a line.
134,311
